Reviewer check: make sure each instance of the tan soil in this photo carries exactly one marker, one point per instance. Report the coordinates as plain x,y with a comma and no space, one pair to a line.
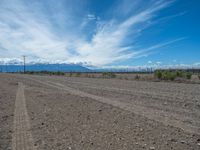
82,113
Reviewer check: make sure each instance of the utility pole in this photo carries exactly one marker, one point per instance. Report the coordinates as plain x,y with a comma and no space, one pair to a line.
24,59
6,68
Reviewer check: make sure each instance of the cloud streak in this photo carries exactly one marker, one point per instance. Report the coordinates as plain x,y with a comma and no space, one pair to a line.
60,33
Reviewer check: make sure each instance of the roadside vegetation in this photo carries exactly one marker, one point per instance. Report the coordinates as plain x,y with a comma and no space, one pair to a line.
162,75
59,73
172,75
78,74
137,77
108,75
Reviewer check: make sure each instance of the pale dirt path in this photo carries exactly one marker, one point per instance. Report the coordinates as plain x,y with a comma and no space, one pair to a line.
165,117
22,138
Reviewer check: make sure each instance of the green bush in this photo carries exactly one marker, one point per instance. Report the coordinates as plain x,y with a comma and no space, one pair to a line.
172,75
60,73
188,75
158,74
180,74
108,75
167,75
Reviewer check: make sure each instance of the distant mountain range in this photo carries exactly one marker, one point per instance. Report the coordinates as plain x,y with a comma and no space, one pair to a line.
45,67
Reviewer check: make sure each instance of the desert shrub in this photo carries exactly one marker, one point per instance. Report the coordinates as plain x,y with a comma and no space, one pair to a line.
158,74
70,74
112,75
165,75
60,73
108,75
46,72
184,74
78,74
188,75
29,72
51,73
172,75
137,77
180,74
199,77
104,74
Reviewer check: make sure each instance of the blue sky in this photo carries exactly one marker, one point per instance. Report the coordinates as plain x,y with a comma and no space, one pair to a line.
101,33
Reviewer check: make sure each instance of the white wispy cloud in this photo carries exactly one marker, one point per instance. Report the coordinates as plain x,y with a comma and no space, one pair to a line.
58,35
91,17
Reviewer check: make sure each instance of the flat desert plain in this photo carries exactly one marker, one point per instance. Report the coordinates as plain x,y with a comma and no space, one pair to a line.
71,113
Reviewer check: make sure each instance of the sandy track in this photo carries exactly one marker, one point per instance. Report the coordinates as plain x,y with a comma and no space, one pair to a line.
22,137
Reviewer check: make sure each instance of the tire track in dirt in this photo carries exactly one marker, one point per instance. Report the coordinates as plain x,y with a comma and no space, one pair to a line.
165,117
22,138
162,95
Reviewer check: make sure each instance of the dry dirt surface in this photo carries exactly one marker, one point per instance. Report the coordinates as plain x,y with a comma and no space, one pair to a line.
71,113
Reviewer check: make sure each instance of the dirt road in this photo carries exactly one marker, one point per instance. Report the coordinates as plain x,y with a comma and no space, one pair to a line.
22,136
83,113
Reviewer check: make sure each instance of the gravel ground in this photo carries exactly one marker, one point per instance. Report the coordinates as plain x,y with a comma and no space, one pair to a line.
7,100
61,119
